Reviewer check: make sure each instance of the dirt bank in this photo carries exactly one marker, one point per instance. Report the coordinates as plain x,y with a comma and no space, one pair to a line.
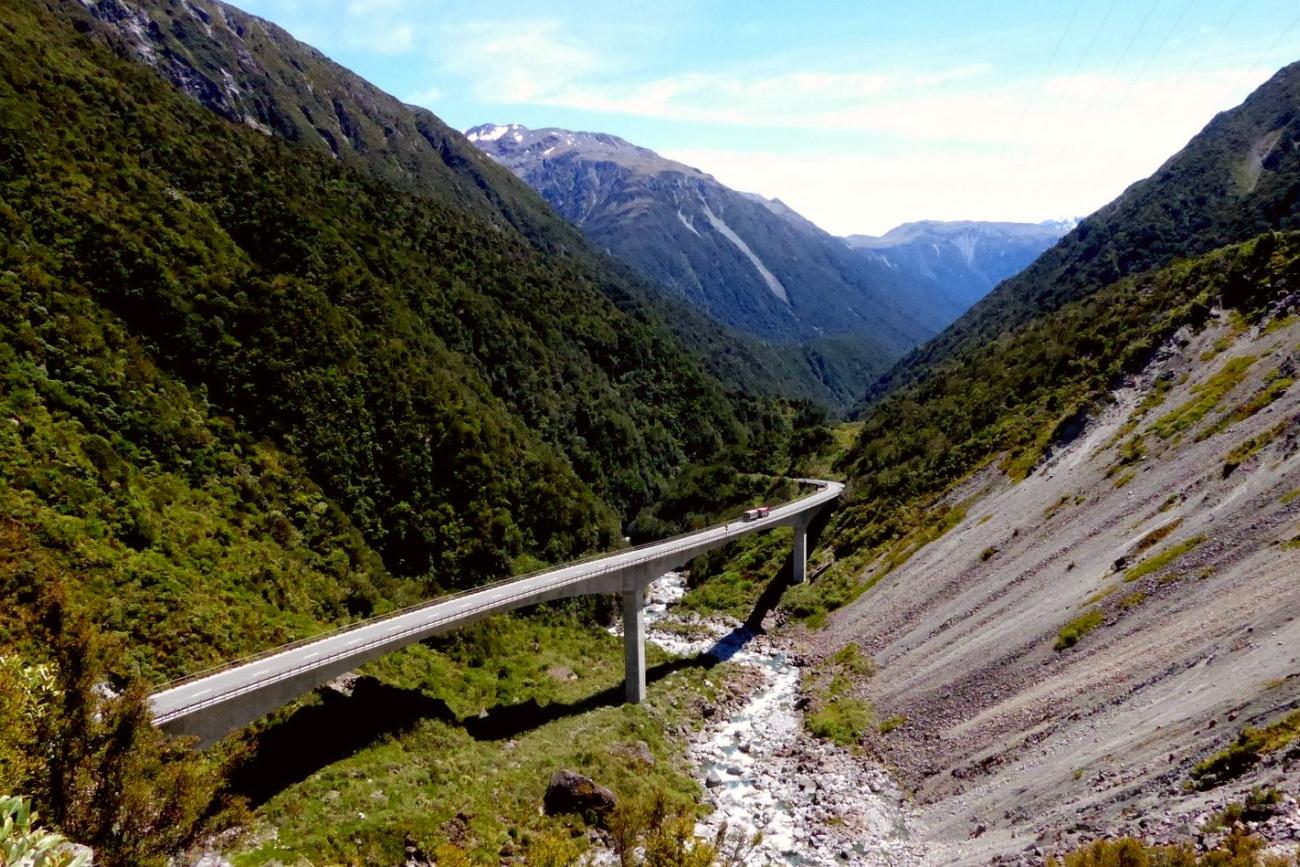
1015,746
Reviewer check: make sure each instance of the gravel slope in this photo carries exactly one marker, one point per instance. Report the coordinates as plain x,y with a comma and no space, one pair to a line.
1016,747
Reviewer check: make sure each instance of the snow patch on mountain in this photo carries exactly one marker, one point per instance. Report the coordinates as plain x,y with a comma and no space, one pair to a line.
686,221
726,231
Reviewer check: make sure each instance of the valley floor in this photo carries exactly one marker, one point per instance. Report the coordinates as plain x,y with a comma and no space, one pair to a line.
1068,653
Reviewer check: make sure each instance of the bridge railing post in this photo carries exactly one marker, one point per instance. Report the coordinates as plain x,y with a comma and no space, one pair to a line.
634,643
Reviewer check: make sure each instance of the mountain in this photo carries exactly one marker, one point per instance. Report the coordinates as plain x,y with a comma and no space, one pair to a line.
456,396
751,263
252,72
963,260
1069,513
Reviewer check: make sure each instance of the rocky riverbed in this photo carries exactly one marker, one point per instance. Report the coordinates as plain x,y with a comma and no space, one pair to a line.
813,802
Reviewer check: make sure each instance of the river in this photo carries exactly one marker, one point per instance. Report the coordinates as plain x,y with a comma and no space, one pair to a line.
814,803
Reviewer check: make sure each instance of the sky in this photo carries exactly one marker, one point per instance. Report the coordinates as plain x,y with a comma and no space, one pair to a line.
859,115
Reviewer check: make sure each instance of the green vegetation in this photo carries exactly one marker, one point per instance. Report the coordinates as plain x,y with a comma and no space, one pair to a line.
1206,397
851,659
1245,752
1257,806
1250,447
463,397
1027,391
890,723
502,706
23,844
1238,850
1077,628
1133,600
835,714
730,580
1156,562
842,720
248,392
1156,536
1276,384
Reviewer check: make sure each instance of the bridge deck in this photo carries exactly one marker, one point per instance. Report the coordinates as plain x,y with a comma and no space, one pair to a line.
213,703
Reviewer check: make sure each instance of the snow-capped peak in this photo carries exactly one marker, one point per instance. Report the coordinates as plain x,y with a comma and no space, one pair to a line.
491,132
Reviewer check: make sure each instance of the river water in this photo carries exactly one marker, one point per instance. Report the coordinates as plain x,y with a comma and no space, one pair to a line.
814,803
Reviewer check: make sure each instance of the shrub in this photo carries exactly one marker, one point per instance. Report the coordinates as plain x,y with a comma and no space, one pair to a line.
842,720
1080,626
1245,752
22,844
1238,850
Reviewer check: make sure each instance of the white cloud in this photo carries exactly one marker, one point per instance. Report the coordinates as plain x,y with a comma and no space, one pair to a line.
428,97
989,154
518,62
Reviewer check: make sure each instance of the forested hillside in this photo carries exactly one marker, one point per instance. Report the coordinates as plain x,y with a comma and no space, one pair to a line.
464,399
254,74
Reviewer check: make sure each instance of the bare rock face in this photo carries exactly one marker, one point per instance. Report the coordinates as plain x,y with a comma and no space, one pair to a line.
570,792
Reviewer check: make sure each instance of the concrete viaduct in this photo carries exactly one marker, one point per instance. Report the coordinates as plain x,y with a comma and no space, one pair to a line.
212,704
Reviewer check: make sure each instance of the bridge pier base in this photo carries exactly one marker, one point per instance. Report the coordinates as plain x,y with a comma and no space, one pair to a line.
800,554
634,643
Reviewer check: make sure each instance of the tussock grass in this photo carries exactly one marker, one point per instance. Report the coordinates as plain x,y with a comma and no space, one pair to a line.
1077,628
1205,398
1156,562
1246,751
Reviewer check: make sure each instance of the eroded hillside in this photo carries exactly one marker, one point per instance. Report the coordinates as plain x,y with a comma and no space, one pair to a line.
1079,642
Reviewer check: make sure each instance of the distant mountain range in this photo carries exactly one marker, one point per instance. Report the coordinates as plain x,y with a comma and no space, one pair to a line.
962,260
844,307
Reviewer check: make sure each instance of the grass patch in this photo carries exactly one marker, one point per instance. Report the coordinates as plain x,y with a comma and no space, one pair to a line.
842,720
837,715
890,723
1124,478
1077,628
1133,600
359,808
941,521
1257,806
1156,536
1238,850
1205,398
851,658
1276,384
1246,751
1250,448
1159,561
1290,497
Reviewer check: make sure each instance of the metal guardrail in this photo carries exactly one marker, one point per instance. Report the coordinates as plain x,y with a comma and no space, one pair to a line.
654,550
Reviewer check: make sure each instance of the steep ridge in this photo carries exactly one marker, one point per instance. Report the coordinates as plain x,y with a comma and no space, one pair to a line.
251,72
465,399
750,263
961,261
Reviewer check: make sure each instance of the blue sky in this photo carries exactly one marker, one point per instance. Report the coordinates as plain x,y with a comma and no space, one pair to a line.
861,115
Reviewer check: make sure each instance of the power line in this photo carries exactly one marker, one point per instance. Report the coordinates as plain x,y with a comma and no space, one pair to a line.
1265,53
1057,50
1042,76
1122,57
